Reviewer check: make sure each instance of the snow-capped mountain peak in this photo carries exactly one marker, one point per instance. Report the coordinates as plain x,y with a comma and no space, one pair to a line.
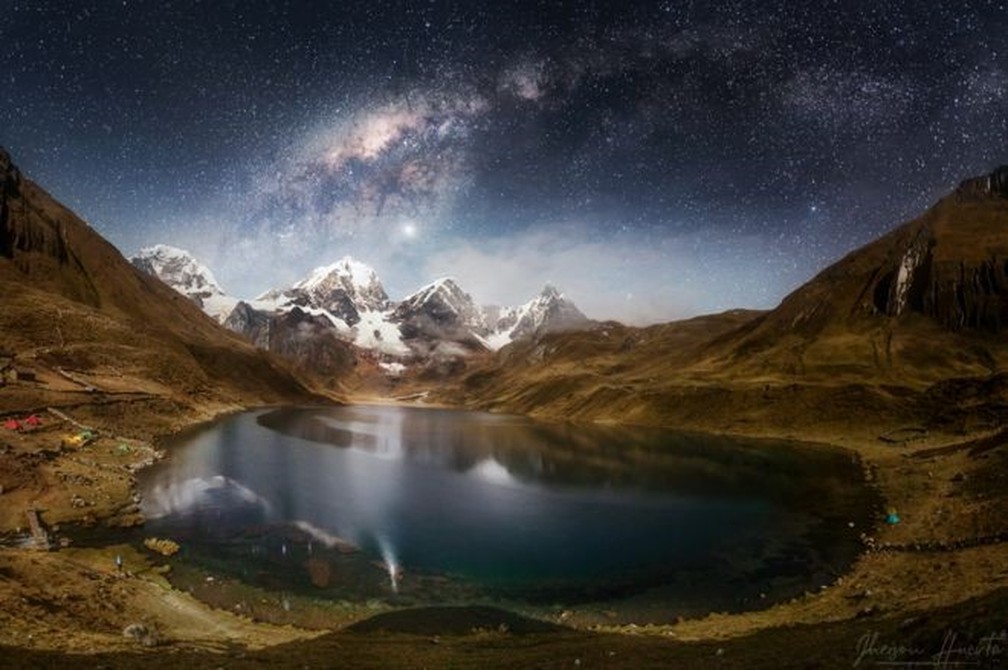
346,300
551,310
351,296
550,292
445,287
444,303
180,270
346,287
349,269
177,268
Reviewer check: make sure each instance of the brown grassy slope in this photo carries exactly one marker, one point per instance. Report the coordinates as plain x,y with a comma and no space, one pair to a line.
855,346
848,323
71,300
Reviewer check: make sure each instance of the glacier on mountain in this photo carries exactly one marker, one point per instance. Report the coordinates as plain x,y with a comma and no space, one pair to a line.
439,321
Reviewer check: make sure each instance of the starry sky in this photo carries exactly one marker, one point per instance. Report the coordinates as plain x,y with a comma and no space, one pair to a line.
654,160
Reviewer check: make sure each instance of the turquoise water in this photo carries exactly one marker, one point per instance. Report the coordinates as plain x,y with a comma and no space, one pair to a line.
422,505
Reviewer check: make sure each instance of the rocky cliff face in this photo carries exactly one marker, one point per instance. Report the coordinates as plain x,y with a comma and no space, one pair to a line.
337,301
34,235
949,269
306,338
957,295
441,310
248,321
310,340
907,306
993,185
10,182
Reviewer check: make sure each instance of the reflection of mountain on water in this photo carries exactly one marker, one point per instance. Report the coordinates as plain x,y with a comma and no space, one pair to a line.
307,425
210,507
613,457
182,497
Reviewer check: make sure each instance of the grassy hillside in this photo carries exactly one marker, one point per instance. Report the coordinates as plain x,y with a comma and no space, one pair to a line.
890,336
72,303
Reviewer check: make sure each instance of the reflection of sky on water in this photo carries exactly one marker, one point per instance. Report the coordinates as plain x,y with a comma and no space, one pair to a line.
467,493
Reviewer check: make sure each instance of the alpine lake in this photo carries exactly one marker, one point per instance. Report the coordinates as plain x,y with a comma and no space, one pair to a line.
405,506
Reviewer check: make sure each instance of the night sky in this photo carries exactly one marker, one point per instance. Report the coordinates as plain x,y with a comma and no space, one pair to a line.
655,160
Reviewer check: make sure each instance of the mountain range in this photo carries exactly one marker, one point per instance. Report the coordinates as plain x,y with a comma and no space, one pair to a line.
346,302
905,330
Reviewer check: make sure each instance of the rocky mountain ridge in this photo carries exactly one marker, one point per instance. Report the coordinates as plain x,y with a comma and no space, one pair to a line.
347,301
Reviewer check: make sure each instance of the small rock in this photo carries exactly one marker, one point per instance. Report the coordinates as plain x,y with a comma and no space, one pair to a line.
140,634
163,547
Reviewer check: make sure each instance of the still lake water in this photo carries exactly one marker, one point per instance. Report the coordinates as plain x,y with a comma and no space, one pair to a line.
421,506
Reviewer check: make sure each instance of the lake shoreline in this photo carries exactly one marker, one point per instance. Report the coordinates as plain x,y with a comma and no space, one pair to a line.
891,581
